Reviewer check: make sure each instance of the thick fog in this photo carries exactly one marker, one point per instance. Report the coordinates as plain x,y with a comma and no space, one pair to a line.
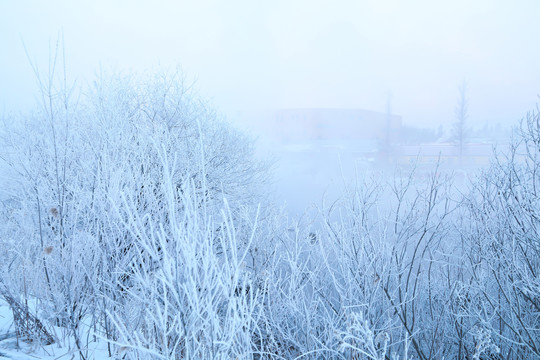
255,61
363,216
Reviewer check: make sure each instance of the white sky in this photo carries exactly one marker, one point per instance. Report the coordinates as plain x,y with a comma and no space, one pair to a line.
273,54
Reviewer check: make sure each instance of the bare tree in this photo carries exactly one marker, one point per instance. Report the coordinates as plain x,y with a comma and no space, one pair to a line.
461,113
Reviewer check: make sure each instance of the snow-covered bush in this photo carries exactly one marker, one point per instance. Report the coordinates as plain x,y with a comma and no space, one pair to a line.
190,294
503,265
380,244
71,168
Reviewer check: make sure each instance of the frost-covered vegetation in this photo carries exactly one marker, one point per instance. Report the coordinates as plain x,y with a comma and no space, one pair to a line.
135,219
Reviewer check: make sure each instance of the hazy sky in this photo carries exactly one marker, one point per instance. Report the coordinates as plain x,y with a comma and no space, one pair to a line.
274,54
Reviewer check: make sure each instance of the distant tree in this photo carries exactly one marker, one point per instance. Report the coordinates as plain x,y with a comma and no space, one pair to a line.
387,139
461,113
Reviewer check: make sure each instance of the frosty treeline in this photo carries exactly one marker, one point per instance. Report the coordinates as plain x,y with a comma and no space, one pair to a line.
135,217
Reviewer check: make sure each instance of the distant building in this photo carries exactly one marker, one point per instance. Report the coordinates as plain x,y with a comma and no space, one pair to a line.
330,124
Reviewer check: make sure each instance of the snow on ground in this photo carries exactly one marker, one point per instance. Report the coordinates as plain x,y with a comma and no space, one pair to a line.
12,349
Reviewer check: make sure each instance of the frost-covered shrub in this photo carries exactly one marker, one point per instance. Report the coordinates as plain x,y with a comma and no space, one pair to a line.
188,298
71,165
504,246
